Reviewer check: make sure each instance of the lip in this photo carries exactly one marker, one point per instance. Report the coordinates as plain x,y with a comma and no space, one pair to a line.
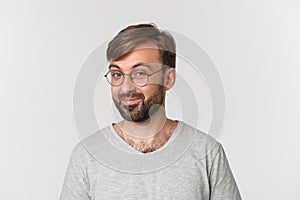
130,101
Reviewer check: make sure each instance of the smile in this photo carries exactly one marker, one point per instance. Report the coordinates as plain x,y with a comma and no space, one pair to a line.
130,101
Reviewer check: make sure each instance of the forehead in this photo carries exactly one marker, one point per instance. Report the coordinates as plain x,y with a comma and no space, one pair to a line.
146,53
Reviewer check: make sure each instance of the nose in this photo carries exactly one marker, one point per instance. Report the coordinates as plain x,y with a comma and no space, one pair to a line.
127,85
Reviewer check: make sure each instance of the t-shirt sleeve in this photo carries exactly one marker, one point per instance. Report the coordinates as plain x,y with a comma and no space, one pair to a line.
76,185
222,183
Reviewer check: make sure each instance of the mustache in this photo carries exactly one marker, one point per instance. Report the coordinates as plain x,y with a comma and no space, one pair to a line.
131,95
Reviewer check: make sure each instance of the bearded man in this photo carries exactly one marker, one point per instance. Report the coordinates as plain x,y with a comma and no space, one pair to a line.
147,155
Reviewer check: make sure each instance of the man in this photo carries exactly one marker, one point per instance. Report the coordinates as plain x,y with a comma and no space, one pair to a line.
147,155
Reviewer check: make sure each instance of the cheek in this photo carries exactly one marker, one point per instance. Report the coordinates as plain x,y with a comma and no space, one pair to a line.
149,91
114,92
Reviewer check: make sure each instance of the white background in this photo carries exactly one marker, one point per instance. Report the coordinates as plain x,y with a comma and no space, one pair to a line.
254,45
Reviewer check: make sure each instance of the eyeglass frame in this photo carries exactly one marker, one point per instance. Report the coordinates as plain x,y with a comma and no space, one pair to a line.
130,74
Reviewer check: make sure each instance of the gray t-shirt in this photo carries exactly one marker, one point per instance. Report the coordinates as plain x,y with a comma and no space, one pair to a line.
191,165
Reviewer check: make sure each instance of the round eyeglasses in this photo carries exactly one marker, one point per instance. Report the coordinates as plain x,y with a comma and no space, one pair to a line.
138,76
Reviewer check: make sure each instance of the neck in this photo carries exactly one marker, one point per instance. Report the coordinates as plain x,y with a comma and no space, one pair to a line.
149,135
148,128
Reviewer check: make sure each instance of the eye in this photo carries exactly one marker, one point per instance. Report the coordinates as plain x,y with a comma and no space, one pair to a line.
139,74
116,74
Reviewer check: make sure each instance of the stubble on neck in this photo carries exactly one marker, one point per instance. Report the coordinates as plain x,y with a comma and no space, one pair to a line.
151,143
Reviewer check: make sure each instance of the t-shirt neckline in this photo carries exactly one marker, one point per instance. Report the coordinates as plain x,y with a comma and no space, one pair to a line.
114,153
120,143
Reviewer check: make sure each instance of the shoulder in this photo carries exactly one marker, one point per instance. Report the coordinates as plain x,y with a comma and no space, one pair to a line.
202,144
84,149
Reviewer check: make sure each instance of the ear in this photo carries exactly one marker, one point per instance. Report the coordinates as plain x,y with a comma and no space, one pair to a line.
170,77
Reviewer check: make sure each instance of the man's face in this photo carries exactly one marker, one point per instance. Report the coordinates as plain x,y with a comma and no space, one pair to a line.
133,102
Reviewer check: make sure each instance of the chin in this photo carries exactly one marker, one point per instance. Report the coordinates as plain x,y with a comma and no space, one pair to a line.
136,118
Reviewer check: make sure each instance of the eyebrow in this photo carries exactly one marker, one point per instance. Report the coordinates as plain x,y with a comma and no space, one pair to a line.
134,66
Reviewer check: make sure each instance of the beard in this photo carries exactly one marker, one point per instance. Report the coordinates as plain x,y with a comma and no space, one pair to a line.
142,110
